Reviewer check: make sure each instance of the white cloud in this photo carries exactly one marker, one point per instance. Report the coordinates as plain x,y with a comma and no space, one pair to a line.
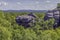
0,3
18,3
37,2
3,3
48,1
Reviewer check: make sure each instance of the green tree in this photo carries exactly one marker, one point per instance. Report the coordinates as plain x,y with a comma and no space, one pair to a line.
5,34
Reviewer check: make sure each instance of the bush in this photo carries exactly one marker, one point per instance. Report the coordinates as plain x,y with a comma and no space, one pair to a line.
5,34
10,30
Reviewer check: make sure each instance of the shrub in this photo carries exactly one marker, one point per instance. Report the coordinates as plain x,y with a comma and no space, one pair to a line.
5,34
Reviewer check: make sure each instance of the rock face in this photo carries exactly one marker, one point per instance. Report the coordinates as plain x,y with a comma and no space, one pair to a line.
49,15
53,14
26,20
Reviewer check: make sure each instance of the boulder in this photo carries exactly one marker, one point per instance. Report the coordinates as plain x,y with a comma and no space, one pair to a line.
26,20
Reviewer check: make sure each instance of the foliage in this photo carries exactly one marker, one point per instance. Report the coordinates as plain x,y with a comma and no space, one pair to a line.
10,30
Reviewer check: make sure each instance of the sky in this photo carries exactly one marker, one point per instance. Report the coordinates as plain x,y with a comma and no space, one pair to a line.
28,4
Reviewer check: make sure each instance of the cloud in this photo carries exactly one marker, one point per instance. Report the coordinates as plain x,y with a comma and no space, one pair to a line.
18,3
3,3
27,4
37,2
0,3
48,1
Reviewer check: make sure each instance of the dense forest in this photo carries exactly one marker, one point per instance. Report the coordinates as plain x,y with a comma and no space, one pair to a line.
10,30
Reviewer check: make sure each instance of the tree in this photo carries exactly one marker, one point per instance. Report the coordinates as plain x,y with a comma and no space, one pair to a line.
4,34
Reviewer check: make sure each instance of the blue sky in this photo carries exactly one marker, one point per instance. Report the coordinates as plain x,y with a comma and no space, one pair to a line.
28,4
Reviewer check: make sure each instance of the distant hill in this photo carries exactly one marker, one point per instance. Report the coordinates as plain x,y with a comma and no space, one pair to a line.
24,10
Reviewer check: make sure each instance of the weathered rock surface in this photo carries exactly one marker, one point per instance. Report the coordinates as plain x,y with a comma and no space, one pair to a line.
53,14
26,20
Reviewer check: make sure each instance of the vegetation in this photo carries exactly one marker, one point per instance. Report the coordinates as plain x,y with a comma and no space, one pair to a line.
10,30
